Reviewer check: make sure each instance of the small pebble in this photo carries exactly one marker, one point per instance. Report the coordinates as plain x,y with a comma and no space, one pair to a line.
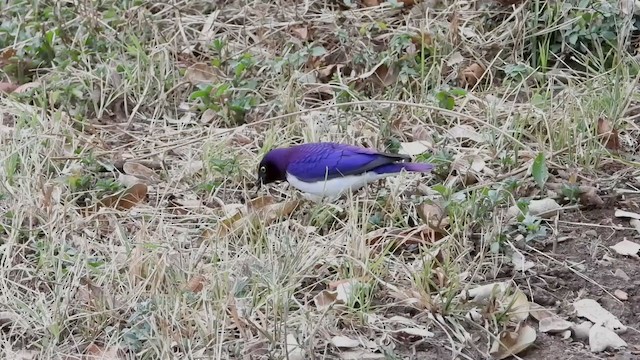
622,275
621,295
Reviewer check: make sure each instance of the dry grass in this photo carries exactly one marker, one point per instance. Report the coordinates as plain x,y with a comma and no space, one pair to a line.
192,272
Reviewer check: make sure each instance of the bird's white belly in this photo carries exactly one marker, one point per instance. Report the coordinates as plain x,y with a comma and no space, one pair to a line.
337,186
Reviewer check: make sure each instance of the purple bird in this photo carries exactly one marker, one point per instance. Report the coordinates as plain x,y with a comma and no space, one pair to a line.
330,169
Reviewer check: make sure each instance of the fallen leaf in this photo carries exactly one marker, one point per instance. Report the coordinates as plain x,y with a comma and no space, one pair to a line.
465,132
414,147
626,214
26,87
621,295
202,73
369,3
196,284
594,312
482,292
635,223
208,116
608,134
601,338
344,342
434,216
420,133
455,58
554,324
545,208
409,335
513,342
262,201
626,247
138,170
7,88
126,199
392,239
301,33
581,331
360,355
94,351
520,263
471,74
518,306
7,54
386,76
538,312
324,299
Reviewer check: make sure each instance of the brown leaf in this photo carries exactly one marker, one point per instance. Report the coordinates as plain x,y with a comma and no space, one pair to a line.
202,73
608,134
126,199
471,74
396,238
301,33
434,216
196,284
261,202
26,87
369,3
7,88
5,57
139,170
94,351
512,343
386,76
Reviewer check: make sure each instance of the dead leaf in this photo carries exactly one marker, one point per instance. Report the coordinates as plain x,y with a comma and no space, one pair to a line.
324,299
601,338
202,73
621,295
554,324
369,3
26,87
626,214
340,341
626,247
465,132
196,284
393,239
471,75
608,135
481,293
360,355
434,216
512,342
94,351
7,88
594,312
386,76
420,133
635,223
545,208
138,170
415,147
518,306
520,263
538,312
301,33
261,202
7,54
126,199
410,335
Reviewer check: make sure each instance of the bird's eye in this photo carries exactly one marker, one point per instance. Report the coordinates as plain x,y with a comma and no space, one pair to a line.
263,169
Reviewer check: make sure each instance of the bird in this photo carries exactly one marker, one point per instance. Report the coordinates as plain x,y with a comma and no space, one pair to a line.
329,170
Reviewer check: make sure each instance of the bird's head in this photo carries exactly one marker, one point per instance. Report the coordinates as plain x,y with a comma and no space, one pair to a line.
273,167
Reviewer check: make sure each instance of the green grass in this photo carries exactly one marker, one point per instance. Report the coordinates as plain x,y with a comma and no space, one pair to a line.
115,81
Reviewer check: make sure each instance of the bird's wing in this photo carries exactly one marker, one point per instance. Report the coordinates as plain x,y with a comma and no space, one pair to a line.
320,161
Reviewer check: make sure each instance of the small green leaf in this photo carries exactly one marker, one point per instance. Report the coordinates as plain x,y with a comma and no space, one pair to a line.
539,170
318,51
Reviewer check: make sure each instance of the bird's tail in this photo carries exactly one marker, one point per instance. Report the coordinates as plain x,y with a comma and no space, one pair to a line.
408,166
